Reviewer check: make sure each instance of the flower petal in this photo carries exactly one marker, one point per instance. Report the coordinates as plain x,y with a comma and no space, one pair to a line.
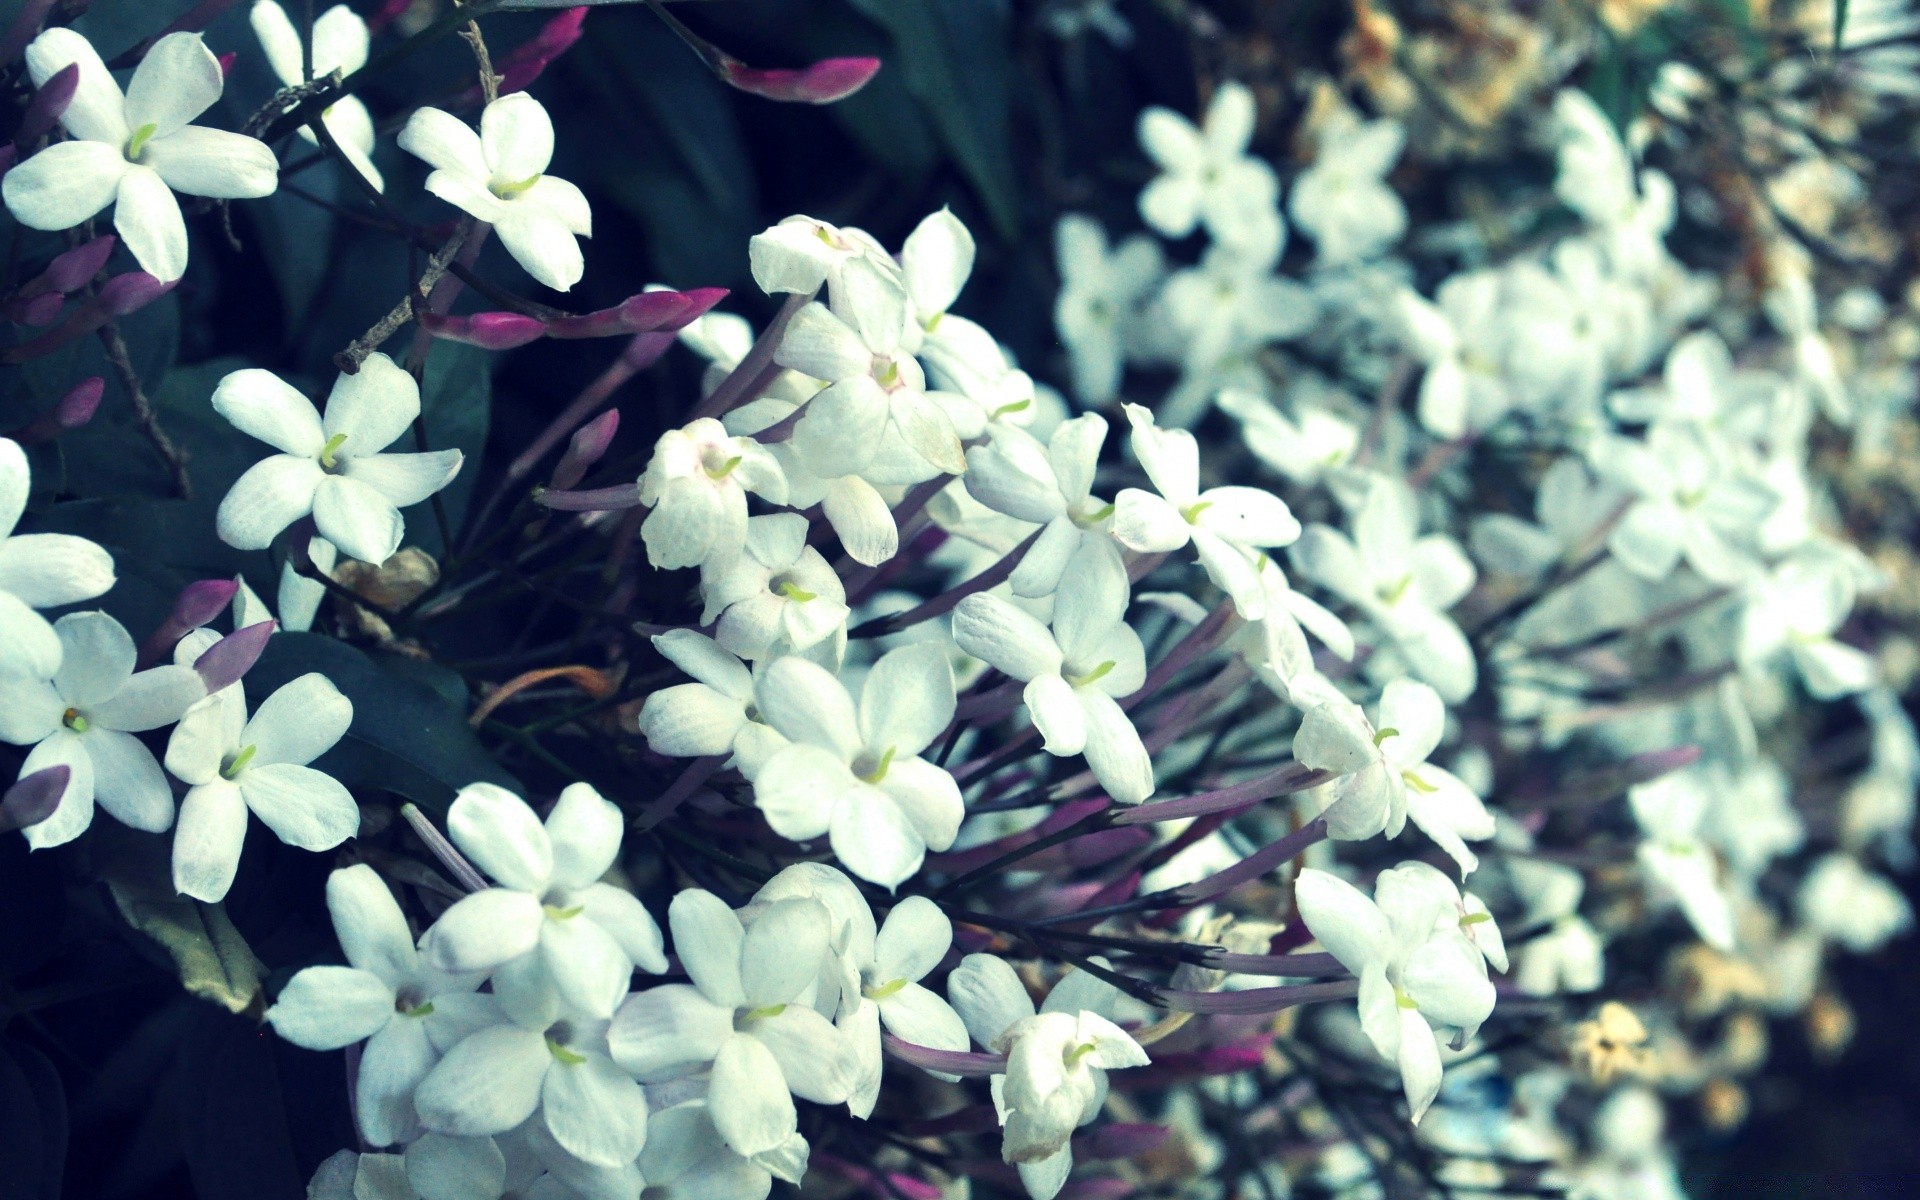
356,518
372,407
128,781
214,163
272,494
97,112
148,220
64,184
206,846
664,1031
299,722
325,1008
487,1084
261,404
176,81
708,937
483,930
503,837
304,807
46,570
593,1110
748,1097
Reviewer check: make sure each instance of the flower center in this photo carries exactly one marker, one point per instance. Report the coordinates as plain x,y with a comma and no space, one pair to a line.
1078,1052
873,770
1401,998
332,448
1390,593
137,144
756,1014
882,991
560,906
1093,676
792,591
559,1034
509,191
1087,520
74,721
1009,409
1191,513
1383,735
1418,784
716,467
236,763
409,1002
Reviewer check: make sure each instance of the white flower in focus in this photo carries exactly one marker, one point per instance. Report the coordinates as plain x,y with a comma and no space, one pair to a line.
85,718
1669,811
1226,525
231,763
742,1017
405,1010
499,176
334,467
1100,295
1419,973
686,1159
1207,177
1342,201
298,598
1796,609
912,941
38,570
800,255
1074,672
1276,646
777,596
1051,486
339,44
858,511
712,715
134,150
1404,583
874,418
697,484
856,776
1057,1060
588,936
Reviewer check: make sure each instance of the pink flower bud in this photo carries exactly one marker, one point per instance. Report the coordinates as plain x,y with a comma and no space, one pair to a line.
588,444
226,661
488,330
824,82
47,105
226,63
33,799
197,604
126,294
525,62
70,271
40,311
72,411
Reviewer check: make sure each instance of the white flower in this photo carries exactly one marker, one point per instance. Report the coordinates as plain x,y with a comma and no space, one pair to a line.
912,941
1694,500
714,714
406,1011
875,417
588,936
1597,180
1853,906
1206,175
231,764
499,176
333,467
1057,1060
858,512
697,484
1100,293
85,718
1419,973
857,776
800,254
134,150
1275,645
339,44
1669,811
1218,314
1303,447
1403,582
1797,608
1342,200
1226,525
744,1016
1050,485
1075,672
777,596
1462,337
38,570
686,1159
298,598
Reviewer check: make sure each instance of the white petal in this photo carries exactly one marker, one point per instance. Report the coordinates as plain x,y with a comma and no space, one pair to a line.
748,1097
74,812
598,1114
1343,919
176,81
484,930
814,1057
487,1084
873,839
215,163
372,408
628,922
665,1030
369,924
1055,709
441,1167
64,184
325,1008
271,495
837,430
1114,751
150,699
913,940
356,518
97,658
405,479
392,1066
148,220
503,837
799,787
97,112
128,781
584,829
516,136
690,720
907,699
1005,637
586,965
542,244
806,703
261,404
303,807
709,939
989,997
782,952
862,521
50,569
936,259
206,845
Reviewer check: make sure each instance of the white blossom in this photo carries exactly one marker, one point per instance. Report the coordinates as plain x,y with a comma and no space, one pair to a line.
339,43
697,484
38,570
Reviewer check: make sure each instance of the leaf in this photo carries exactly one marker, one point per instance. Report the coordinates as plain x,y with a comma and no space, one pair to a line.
954,55
406,737
33,1137
234,1128
214,961
456,398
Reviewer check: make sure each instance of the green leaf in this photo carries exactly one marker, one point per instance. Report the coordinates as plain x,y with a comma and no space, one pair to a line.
954,55
214,961
405,736
456,400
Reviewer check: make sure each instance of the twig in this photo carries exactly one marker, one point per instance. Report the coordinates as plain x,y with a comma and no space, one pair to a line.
143,414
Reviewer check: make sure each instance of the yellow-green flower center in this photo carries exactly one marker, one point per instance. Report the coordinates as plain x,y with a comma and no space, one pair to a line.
332,448
73,720
1093,676
233,766
508,191
137,144
884,990
793,591
877,771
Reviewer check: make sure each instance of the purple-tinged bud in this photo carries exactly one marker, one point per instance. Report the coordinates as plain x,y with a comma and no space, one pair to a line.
463,872
488,330
525,62
647,312
197,604
607,499
33,799
75,409
226,661
37,312
48,105
26,26
824,82
70,271
124,295
587,446
951,1062
1121,1139
226,62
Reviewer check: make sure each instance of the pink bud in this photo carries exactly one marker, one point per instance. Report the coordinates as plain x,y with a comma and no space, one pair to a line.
488,330
126,294
70,271
588,444
197,604
1121,1140
651,311
523,65
47,105
226,661
33,799
74,409
387,14
39,311
824,82
226,63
